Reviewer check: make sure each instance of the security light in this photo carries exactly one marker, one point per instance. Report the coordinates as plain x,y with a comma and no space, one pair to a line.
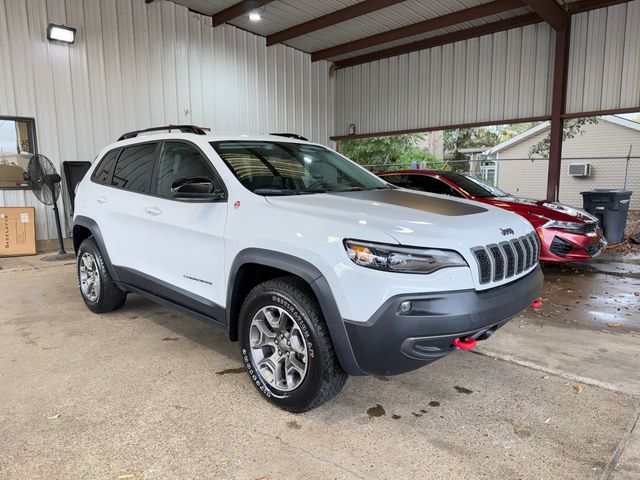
60,33
255,16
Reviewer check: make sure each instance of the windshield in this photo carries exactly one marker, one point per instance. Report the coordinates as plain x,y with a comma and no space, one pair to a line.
282,168
474,186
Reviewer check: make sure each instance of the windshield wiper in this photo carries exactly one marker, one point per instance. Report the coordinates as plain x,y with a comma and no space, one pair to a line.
275,191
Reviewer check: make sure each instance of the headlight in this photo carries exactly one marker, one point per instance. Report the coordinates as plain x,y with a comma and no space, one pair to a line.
393,258
568,226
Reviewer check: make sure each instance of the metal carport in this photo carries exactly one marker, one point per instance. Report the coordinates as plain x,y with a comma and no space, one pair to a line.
410,66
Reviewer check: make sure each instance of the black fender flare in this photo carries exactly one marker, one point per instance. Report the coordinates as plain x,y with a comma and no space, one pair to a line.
318,283
92,226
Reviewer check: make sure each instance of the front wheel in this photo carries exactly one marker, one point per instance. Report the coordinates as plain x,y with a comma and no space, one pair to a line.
99,292
286,347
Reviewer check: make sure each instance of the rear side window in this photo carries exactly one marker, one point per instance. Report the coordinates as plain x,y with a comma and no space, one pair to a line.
102,173
134,168
426,183
398,180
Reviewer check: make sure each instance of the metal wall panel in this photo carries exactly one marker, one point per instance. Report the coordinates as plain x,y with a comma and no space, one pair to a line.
135,65
604,64
492,78
497,77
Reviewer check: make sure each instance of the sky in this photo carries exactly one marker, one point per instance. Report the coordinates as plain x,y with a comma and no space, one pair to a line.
7,137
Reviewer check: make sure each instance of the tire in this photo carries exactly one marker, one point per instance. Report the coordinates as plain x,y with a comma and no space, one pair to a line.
105,296
281,305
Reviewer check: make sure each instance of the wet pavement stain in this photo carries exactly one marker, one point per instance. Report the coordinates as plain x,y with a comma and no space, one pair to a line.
230,370
293,424
462,390
434,403
170,339
396,417
376,411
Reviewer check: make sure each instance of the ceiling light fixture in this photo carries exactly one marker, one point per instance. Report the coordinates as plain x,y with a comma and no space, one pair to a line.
61,33
255,16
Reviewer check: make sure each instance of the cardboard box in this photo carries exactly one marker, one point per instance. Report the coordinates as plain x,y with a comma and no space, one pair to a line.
17,231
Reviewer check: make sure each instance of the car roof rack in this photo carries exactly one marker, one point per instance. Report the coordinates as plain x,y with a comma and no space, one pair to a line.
183,128
290,135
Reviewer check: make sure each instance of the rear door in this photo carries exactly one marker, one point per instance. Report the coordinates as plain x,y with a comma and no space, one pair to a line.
122,206
185,237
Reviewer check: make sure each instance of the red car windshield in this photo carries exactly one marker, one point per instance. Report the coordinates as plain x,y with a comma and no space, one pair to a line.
474,186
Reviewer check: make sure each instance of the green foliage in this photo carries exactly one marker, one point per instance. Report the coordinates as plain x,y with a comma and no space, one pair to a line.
456,140
418,155
570,129
380,150
510,131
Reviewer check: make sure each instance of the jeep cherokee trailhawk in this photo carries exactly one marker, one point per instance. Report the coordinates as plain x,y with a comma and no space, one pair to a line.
316,266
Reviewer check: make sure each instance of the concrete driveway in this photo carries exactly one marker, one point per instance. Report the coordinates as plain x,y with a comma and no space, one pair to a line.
148,393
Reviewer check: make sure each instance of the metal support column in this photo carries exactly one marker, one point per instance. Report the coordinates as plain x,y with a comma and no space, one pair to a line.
557,110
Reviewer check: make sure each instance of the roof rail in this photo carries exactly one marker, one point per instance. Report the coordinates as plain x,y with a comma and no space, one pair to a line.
290,135
183,128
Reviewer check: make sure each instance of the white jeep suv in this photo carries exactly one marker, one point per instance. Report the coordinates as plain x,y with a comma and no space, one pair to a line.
319,268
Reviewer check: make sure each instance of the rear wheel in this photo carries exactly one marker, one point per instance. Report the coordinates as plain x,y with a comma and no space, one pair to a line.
99,291
286,346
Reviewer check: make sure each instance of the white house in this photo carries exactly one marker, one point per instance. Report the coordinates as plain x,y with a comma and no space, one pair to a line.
610,148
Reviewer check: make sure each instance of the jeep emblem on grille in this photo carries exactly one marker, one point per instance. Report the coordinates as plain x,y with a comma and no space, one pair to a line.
507,231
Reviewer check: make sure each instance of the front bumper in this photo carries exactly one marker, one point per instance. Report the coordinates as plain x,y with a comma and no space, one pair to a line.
560,246
394,342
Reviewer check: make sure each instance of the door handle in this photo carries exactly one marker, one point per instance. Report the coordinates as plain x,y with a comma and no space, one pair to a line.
155,211
101,199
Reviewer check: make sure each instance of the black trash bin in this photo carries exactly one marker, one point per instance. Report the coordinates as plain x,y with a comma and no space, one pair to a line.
610,205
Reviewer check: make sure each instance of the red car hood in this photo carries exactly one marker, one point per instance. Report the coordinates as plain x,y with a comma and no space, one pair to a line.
532,209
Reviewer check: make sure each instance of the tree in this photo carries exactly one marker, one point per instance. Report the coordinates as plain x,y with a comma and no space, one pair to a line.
570,129
379,150
456,140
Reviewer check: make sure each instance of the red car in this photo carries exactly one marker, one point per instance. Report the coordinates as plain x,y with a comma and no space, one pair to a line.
567,234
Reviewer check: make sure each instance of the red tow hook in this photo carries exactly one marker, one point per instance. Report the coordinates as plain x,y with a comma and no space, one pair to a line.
536,304
466,344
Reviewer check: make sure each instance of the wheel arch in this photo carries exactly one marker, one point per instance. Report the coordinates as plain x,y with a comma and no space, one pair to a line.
85,227
243,276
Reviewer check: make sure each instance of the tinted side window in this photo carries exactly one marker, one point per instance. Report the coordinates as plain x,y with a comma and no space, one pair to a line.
180,161
426,183
102,173
398,180
134,167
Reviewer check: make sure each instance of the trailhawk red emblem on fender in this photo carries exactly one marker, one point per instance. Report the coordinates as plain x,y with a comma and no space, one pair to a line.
236,204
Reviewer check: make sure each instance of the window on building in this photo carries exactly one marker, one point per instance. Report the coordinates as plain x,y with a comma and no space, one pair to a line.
17,144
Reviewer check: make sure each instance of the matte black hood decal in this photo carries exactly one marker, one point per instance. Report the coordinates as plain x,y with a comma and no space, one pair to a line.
426,203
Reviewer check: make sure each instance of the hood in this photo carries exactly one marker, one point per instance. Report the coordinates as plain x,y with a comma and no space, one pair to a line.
409,217
551,210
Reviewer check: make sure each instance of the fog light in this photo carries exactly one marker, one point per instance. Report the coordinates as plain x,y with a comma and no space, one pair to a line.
405,306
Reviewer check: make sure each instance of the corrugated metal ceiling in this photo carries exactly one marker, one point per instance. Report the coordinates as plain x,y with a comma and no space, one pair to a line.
282,14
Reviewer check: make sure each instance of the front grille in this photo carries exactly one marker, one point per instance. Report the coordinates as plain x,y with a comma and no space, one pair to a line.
497,262
560,247
593,249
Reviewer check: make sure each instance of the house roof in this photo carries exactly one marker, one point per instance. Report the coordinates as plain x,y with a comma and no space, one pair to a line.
623,122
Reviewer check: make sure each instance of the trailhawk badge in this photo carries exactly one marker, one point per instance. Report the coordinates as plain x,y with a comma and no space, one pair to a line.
507,231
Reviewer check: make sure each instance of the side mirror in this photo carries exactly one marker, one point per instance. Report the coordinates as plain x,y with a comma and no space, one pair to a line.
195,187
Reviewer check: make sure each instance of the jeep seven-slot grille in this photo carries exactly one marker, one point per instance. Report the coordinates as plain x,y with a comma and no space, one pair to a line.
497,262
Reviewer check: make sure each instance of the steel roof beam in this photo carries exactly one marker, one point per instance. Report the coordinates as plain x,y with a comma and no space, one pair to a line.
330,19
494,27
551,12
453,18
237,10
